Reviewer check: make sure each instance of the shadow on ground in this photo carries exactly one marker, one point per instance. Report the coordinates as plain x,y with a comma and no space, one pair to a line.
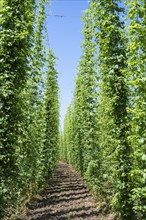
66,198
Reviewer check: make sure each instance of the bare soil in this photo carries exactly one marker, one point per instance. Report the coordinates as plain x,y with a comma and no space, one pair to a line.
65,198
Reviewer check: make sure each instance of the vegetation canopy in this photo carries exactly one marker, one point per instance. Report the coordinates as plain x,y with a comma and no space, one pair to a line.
104,131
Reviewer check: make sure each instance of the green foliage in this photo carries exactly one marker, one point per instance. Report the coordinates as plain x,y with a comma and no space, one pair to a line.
104,128
16,21
51,104
104,134
114,98
136,54
29,138
80,121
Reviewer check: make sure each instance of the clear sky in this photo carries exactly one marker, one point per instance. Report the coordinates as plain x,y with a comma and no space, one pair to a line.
65,39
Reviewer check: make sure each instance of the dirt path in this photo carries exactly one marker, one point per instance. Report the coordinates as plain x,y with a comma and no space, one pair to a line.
66,198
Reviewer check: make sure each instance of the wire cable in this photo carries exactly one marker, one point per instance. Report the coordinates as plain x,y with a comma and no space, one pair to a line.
66,16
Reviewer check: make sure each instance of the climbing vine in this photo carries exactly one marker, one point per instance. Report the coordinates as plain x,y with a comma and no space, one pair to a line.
104,133
104,129
136,54
29,149
16,23
51,105
80,121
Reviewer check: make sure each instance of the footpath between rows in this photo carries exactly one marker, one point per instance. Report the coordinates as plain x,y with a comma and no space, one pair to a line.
65,198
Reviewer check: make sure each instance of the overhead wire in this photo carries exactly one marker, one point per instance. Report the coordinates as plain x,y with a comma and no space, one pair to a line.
69,0
65,16
61,16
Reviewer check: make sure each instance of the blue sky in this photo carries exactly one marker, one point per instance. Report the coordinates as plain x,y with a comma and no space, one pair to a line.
65,38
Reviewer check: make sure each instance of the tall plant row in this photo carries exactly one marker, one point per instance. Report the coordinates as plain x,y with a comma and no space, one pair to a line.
28,77
104,128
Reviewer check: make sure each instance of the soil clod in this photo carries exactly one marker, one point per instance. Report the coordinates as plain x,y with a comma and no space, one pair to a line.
66,198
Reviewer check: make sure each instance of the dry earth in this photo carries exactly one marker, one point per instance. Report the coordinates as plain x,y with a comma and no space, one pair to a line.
65,198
